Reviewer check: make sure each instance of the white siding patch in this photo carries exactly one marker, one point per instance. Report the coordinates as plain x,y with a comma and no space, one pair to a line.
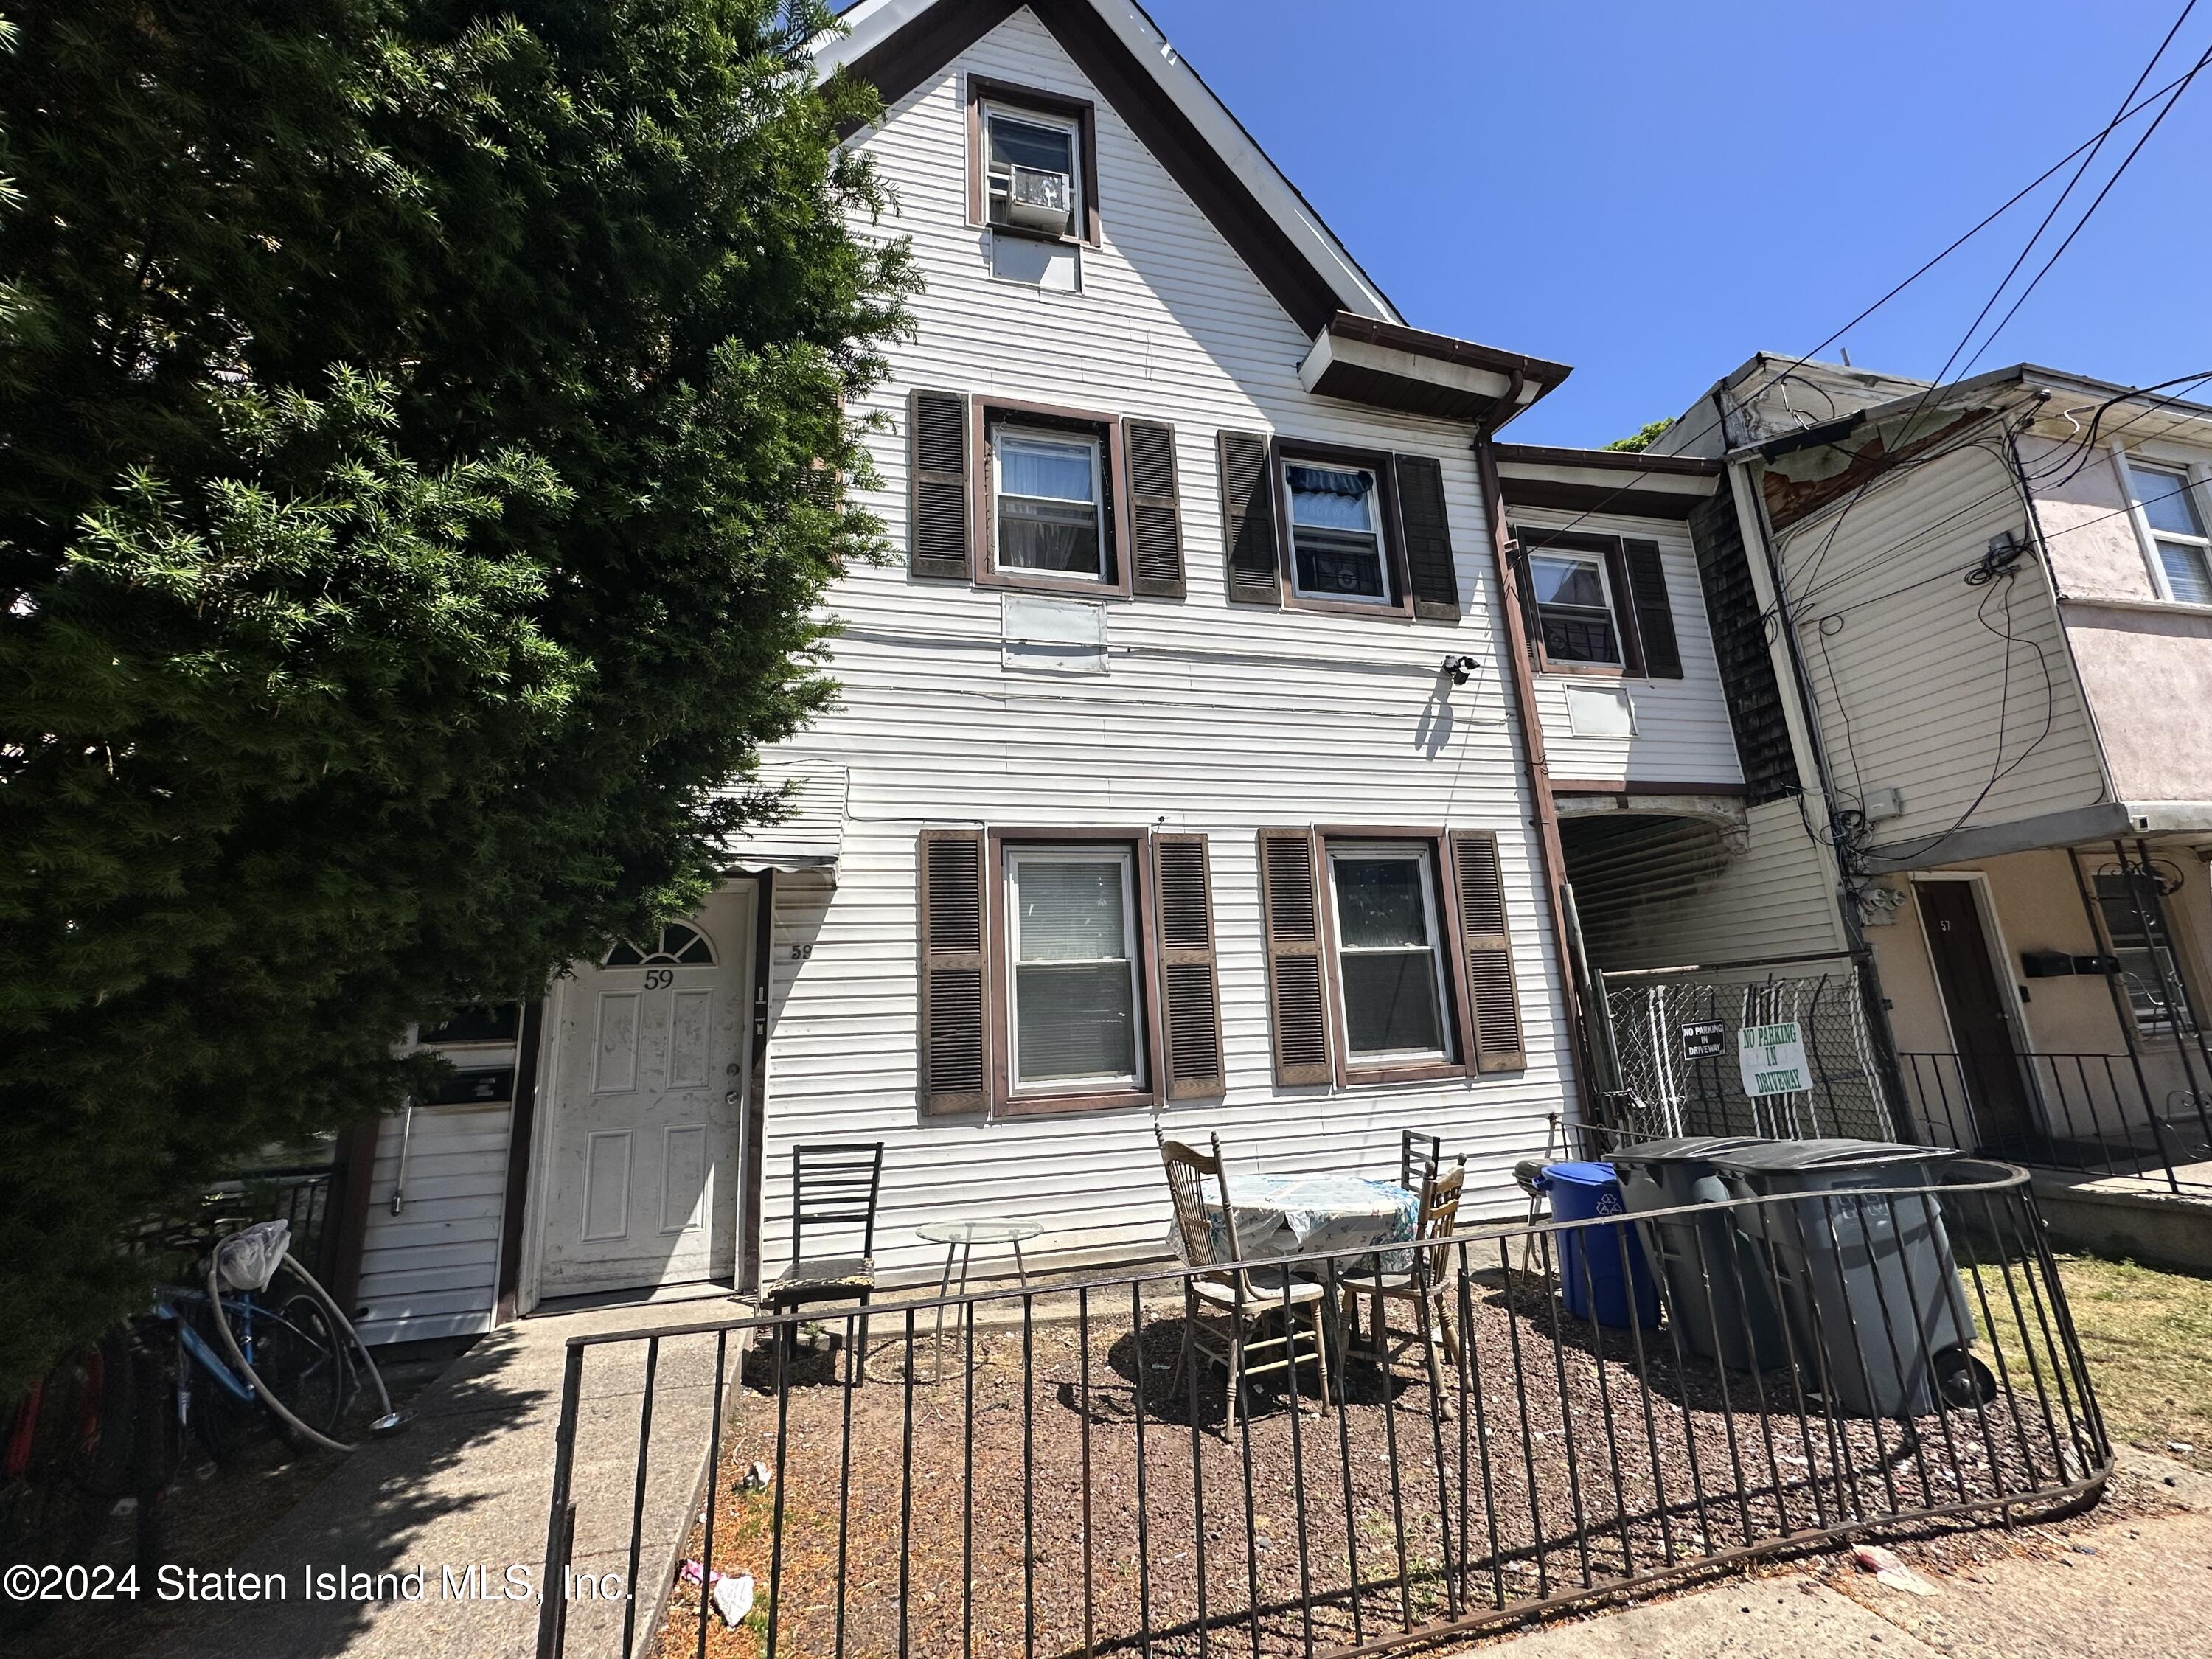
430,1270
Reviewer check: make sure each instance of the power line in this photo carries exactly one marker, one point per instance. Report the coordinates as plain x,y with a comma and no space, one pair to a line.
1998,212
2028,247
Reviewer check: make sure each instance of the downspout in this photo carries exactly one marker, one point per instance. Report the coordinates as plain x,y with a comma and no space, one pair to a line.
1766,582
1545,820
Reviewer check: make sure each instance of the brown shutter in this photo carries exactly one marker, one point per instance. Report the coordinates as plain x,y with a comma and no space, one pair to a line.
954,1066
1494,1000
1248,519
1154,512
1428,562
1655,611
1630,636
1190,1001
1289,907
936,486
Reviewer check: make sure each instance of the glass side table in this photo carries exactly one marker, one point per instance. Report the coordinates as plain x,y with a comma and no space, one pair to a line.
960,1239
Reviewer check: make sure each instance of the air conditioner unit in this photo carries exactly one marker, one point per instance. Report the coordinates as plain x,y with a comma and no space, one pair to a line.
1037,199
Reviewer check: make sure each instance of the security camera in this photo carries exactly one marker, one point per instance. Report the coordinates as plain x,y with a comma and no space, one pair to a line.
1460,668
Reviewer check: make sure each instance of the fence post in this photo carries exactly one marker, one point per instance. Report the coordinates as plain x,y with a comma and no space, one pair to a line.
559,1521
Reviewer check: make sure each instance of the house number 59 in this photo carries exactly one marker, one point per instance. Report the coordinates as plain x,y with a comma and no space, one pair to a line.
659,978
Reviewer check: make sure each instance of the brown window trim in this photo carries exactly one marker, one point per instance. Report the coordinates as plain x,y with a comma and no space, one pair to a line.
1137,841
1623,604
1282,451
981,473
981,89
1459,1012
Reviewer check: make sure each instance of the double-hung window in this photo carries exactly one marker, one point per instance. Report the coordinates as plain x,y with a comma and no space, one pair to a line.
1575,608
1391,965
1048,506
1073,1008
2168,502
1336,532
2136,922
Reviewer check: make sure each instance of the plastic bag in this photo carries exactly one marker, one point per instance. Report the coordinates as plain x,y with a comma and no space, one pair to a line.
247,1261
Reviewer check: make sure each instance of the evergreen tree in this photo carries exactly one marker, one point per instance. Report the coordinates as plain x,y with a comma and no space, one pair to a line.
421,430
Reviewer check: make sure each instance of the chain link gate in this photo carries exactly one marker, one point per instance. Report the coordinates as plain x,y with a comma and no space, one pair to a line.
1672,1037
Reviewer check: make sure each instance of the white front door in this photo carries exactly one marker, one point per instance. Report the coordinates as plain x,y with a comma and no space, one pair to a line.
648,1090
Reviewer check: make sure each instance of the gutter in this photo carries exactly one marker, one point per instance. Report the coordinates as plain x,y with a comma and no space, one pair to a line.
1551,854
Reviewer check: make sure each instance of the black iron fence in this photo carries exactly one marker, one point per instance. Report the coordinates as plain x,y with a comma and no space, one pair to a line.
1053,1470
2090,1114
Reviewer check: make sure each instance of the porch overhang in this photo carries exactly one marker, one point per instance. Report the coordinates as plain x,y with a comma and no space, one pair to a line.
811,837
2105,821
1385,365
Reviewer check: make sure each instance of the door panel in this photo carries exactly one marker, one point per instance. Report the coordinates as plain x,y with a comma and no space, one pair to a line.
649,1079
1974,1000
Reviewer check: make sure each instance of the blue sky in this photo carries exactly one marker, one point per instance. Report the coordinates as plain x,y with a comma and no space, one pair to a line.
1653,192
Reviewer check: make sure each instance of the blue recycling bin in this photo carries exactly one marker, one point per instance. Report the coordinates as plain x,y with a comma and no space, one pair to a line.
1601,1269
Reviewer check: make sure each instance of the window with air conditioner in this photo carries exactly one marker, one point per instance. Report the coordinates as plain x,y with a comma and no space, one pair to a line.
2169,503
1031,178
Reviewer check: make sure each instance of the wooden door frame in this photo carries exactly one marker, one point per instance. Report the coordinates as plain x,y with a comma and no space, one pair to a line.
1993,942
740,955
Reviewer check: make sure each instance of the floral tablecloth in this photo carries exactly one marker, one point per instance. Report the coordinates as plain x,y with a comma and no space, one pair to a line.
1298,1214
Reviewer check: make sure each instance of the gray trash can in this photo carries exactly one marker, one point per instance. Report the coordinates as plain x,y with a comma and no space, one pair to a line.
1718,1282
1869,1285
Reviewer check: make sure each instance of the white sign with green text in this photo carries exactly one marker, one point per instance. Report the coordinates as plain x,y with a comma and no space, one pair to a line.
1772,1058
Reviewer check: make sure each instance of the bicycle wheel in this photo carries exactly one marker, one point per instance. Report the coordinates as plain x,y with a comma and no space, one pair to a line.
301,1359
225,1424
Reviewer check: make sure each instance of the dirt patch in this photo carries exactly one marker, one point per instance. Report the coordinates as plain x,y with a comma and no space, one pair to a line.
1071,1487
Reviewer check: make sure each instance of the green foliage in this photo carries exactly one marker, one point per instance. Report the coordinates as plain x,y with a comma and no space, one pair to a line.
1642,436
422,422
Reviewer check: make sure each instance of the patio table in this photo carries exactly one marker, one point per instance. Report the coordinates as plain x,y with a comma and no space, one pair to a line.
1298,1214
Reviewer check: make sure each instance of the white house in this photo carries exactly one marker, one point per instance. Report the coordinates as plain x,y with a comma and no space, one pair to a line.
1190,772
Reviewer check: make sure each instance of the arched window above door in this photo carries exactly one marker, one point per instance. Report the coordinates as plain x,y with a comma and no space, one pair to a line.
679,944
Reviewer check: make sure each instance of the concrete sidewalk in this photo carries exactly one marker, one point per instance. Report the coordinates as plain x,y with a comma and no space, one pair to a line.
468,1485
2140,1588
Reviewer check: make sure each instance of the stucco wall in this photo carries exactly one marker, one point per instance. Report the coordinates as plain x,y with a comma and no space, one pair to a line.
2038,907
2147,673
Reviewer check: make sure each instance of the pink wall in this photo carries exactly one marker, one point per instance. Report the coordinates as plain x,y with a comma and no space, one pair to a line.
2148,674
2093,550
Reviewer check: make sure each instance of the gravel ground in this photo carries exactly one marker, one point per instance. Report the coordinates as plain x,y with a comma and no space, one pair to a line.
1041,1489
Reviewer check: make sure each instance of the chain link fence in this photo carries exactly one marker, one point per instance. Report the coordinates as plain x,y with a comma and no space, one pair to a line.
1675,1037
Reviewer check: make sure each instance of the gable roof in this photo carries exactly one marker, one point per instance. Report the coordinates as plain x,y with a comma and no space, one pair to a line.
898,44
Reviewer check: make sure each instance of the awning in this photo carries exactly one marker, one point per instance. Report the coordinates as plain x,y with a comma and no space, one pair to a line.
812,836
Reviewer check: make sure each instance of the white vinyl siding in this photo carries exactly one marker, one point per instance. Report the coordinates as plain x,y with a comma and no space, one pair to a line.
1675,892
1913,688
1209,718
432,1270
1682,730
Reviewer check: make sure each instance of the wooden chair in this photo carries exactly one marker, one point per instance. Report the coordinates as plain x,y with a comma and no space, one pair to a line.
1425,1282
834,1187
1419,1156
1246,1295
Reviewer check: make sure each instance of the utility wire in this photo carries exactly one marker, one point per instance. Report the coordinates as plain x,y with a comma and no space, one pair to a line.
1998,212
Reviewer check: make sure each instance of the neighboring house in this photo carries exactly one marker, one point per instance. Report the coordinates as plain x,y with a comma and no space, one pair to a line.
1990,613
